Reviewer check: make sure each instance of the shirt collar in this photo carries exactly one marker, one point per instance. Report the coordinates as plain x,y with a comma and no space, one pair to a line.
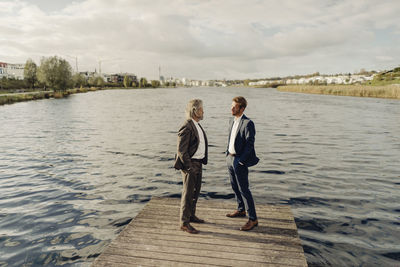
195,122
238,119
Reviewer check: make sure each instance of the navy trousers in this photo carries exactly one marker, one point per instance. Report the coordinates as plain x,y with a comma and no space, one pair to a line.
239,175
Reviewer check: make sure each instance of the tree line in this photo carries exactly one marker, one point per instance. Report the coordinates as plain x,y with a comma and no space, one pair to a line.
55,73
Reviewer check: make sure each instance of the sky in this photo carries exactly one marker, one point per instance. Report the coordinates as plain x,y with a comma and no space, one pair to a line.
205,39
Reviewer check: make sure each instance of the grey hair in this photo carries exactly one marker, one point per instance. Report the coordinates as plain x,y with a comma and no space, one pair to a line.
192,107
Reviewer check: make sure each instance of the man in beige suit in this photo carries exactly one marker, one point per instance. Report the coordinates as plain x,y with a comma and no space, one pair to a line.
192,150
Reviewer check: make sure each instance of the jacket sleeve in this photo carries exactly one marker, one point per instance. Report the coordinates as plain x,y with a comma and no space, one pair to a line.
250,132
183,146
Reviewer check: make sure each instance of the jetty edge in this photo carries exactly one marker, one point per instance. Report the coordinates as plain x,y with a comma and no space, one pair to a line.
153,238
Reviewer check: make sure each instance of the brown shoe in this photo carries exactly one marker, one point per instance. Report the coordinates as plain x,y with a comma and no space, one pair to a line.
249,225
236,214
188,228
196,219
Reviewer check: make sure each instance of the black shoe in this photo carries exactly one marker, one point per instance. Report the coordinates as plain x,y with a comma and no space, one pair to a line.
195,219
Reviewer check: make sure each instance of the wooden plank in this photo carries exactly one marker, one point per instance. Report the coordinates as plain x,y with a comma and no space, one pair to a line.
208,231
195,256
218,218
214,204
262,210
124,261
127,261
154,238
144,218
126,248
224,247
218,241
222,213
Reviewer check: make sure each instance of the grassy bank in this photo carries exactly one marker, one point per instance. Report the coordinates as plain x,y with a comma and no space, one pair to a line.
386,91
9,98
20,97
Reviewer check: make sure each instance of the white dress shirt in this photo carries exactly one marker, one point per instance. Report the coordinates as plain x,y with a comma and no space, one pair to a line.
234,130
201,150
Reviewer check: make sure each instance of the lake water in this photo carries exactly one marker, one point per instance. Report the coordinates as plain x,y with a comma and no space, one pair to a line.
75,171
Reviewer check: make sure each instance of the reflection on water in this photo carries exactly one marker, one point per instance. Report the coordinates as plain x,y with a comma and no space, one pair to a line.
75,171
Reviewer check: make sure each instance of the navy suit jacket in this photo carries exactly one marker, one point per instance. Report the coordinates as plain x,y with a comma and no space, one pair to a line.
244,142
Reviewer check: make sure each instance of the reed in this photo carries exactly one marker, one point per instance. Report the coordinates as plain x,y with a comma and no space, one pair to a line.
59,94
386,91
13,98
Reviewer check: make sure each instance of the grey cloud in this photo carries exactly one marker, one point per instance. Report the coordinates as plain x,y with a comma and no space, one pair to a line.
243,38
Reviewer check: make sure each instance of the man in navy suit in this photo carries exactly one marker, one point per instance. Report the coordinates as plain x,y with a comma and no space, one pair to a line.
240,155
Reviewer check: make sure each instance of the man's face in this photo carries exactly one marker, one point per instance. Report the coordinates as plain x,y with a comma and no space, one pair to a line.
236,110
200,113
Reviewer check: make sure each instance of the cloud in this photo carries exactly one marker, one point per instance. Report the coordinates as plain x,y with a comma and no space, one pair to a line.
205,39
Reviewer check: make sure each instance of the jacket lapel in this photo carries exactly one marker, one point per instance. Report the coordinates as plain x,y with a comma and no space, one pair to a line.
240,124
239,140
239,127
194,129
204,134
205,140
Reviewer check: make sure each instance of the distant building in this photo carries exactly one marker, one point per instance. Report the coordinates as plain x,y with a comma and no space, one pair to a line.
332,79
119,77
12,71
210,83
195,83
2,69
162,80
185,82
88,74
172,80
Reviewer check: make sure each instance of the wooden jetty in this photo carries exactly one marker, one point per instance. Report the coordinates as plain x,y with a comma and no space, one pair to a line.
154,238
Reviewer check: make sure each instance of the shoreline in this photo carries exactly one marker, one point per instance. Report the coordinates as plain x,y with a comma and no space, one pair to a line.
384,91
11,98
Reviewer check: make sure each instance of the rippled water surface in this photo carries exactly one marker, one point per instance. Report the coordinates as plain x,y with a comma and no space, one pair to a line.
75,171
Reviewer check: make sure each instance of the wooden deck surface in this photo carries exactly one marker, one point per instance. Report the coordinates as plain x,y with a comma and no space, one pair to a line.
153,238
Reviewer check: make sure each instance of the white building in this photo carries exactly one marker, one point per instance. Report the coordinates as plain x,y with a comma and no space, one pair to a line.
2,69
12,71
185,82
162,80
339,79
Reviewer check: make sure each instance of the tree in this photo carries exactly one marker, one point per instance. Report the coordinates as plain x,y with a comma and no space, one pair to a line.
127,81
96,81
155,83
78,80
11,84
143,83
99,82
55,73
30,73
